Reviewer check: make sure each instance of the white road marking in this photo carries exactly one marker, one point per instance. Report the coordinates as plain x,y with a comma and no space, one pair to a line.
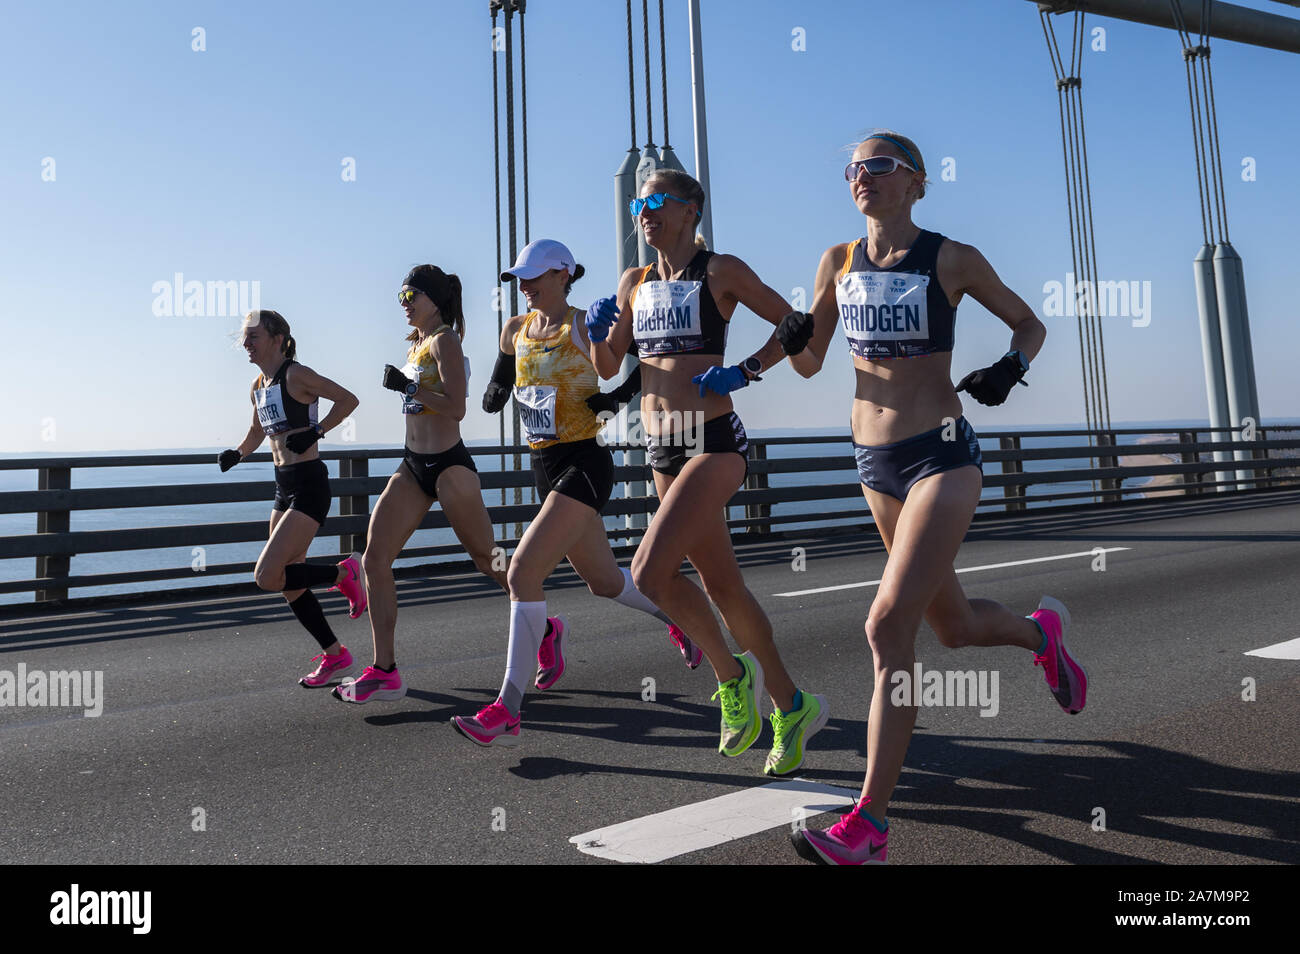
967,569
1288,650
716,821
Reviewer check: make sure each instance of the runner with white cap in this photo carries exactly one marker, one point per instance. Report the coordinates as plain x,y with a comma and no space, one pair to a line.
544,360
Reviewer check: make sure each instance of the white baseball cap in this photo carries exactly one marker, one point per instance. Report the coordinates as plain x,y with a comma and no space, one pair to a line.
539,257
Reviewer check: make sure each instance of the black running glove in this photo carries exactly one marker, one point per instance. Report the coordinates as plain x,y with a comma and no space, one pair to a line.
990,386
394,379
300,441
228,459
495,397
795,331
613,401
501,384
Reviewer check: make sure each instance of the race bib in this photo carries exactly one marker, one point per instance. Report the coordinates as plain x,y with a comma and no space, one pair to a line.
666,318
413,372
270,410
417,373
537,412
884,313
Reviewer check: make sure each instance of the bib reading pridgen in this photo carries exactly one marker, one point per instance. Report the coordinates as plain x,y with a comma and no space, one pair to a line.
896,312
677,317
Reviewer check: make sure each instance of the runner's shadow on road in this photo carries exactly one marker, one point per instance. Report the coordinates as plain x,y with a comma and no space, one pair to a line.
538,768
449,706
1145,792
671,721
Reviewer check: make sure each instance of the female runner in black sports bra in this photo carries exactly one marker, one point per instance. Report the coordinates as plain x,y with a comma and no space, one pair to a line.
895,292
677,311
284,400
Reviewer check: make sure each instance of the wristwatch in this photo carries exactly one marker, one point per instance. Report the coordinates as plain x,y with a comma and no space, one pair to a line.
411,388
751,366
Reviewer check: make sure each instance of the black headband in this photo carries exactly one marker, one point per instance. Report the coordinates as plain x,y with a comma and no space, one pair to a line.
431,280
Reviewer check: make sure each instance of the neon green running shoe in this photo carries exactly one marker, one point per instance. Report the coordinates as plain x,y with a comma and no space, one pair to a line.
741,721
792,732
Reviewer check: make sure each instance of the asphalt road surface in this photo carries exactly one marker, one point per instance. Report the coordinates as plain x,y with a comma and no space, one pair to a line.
208,751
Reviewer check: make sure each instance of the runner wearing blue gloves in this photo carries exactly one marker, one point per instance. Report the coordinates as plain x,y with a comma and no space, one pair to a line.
677,311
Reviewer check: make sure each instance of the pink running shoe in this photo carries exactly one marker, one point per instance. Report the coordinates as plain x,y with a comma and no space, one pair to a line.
690,652
331,669
493,725
1065,677
852,840
353,585
372,685
550,655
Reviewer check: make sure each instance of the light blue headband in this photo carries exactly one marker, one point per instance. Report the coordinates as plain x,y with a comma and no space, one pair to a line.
900,146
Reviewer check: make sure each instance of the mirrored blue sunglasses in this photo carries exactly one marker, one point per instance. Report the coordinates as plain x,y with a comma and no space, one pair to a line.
655,201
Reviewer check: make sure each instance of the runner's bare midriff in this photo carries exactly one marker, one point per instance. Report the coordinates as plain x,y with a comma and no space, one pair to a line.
431,433
670,399
899,398
283,457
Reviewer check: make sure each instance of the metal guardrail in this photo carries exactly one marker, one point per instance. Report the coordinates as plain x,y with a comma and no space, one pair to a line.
1275,462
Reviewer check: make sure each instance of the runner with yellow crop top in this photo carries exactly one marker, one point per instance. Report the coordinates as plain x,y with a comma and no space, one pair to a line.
544,358
436,467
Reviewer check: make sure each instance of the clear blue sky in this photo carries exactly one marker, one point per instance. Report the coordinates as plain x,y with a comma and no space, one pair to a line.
225,165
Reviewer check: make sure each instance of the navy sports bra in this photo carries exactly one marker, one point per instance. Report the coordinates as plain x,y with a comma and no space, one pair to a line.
680,316
895,312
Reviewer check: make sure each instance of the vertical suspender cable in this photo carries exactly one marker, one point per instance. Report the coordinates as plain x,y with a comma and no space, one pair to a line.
510,211
1083,239
1063,85
631,82
1189,57
493,7
1088,305
649,116
1099,355
1208,77
663,69
523,98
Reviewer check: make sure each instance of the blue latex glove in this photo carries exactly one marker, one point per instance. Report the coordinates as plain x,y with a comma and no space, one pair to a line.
601,317
721,380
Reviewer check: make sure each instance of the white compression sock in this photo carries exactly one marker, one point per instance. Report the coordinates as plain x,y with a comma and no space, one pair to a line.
527,627
632,597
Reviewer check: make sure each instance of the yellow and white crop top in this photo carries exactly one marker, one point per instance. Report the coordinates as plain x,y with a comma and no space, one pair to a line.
422,368
553,379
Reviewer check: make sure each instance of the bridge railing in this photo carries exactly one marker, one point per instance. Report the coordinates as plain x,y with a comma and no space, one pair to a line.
1017,476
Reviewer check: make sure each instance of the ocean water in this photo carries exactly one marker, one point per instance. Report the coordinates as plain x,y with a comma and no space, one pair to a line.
851,511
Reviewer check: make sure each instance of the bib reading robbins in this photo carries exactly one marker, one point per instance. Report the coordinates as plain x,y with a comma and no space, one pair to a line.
536,412
666,318
884,314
